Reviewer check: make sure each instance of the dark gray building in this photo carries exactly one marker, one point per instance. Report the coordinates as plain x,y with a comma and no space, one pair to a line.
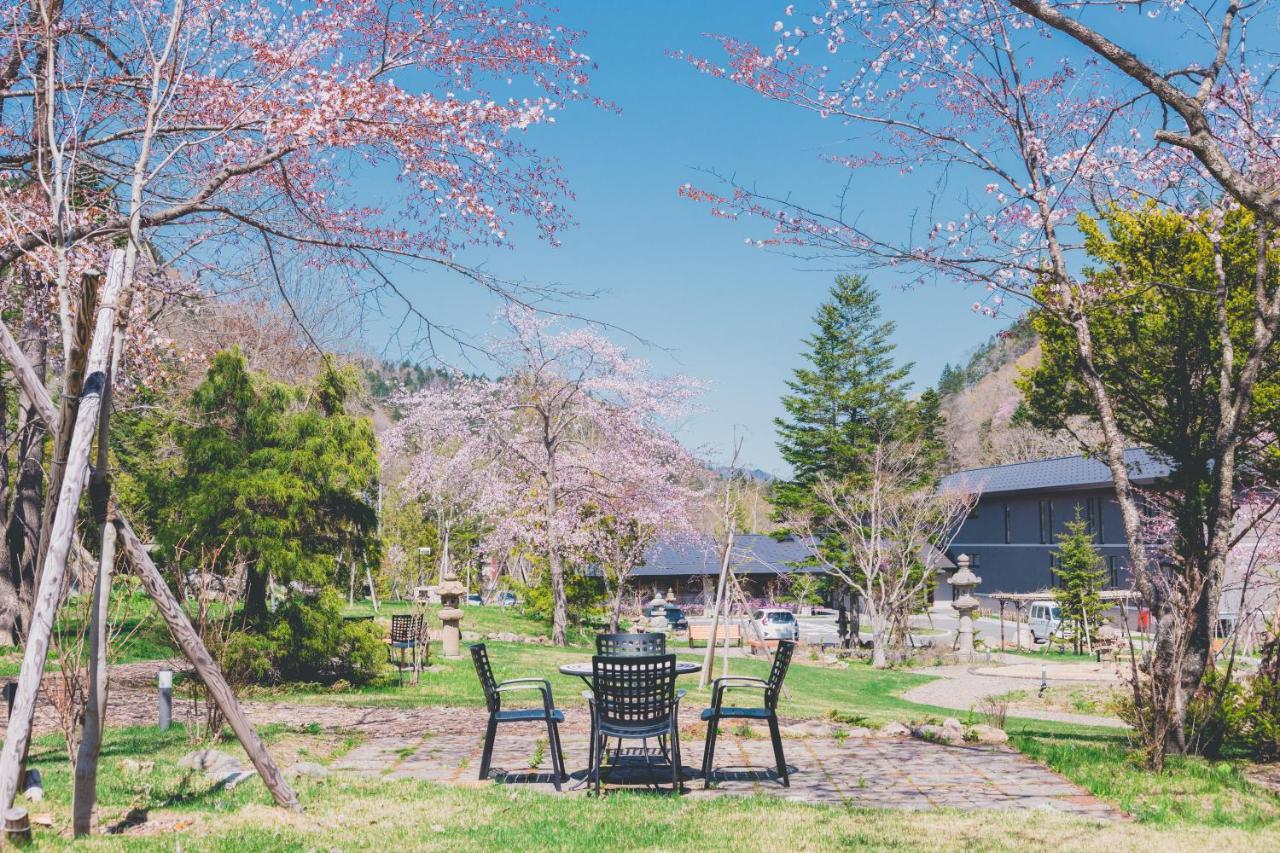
1024,507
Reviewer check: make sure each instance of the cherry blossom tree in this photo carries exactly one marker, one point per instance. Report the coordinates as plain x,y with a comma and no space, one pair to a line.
1023,115
210,137
572,429
878,534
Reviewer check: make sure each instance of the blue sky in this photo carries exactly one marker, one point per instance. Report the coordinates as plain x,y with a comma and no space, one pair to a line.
668,270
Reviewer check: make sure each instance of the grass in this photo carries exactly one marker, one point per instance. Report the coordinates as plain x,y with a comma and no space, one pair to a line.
185,811
140,634
488,619
1191,792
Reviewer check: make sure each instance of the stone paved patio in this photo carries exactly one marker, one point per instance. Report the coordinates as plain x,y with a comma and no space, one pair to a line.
871,772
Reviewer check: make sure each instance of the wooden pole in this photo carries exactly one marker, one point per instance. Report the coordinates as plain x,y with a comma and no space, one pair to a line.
17,827
709,659
45,607
189,641
85,797
43,404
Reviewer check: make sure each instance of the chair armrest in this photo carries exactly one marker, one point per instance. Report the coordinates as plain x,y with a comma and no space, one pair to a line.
734,682
540,684
525,681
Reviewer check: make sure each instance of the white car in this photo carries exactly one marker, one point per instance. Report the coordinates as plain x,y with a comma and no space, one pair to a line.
1044,620
776,624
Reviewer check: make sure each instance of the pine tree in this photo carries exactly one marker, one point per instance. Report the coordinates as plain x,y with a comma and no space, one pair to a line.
850,396
1081,577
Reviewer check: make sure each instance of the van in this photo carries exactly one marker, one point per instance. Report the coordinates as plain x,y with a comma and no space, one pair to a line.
1044,621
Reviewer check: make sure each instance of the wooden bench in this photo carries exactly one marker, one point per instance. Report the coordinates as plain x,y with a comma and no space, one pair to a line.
703,633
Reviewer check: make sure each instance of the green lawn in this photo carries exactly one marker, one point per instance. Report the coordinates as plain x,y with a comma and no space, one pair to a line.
1206,805
184,811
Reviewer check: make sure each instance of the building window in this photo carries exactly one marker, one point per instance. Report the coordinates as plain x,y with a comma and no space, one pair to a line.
1101,507
1008,530
1113,572
1054,565
1046,522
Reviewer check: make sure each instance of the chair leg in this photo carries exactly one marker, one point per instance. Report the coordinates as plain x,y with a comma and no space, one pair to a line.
778,757
709,751
554,749
598,769
490,734
559,747
677,773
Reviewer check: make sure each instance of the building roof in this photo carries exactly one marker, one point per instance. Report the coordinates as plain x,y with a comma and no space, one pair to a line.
753,554
1064,472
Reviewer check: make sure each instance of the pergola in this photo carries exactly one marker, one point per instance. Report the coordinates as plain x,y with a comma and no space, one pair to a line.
1020,600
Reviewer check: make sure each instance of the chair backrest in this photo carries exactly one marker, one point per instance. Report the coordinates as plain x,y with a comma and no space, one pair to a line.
405,628
778,672
489,684
633,691
630,645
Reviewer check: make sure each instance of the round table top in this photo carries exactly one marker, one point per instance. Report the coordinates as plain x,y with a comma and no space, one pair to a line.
582,669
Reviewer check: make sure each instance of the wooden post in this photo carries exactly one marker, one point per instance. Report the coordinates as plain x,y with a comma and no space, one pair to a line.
45,607
17,827
85,797
1002,603
43,405
709,659
189,641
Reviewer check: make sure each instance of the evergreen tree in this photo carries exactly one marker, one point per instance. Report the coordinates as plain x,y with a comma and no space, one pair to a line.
1081,577
850,396
277,480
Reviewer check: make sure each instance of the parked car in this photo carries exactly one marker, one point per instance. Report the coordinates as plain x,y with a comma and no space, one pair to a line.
474,599
506,598
676,618
776,624
1044,620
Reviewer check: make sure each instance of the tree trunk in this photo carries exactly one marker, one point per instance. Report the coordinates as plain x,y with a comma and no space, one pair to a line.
85,797
26,522
189,641
559,604
879,640
72,383
256,584
62,533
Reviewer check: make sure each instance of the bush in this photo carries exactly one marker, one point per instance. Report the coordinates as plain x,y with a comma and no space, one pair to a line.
584,597
310,641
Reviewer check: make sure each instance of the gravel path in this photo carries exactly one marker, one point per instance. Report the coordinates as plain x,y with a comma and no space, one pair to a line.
963,687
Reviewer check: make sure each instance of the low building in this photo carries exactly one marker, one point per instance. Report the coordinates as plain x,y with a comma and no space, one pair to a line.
1023,508
761,563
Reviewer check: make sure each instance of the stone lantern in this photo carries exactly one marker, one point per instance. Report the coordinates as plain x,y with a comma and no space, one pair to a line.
963,582
658,605
451,592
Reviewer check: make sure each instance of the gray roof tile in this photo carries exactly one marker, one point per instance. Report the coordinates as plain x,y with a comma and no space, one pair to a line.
1066,472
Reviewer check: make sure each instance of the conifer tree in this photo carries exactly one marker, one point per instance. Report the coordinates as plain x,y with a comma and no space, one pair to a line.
849,397
1081,577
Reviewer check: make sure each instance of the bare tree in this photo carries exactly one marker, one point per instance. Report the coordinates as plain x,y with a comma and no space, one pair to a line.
879,536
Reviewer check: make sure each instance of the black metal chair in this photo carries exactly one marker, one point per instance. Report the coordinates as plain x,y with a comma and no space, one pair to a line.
772,690
630,645
406,635
623,645
635,698
493,691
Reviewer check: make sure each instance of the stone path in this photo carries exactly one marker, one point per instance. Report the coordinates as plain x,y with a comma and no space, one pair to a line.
964,686
900,773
